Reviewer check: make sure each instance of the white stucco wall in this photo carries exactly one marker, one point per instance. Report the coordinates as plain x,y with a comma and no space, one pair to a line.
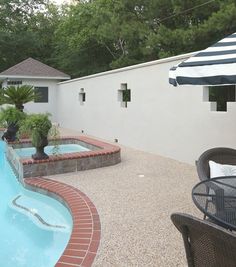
169,121
41,107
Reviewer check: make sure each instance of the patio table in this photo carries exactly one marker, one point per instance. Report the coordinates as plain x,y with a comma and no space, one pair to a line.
216,198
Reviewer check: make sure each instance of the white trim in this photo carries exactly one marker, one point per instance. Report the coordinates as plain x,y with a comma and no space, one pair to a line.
146,64
34,77
205,71
226,40
207,58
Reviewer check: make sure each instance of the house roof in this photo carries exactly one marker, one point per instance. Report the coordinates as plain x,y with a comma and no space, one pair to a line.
32,68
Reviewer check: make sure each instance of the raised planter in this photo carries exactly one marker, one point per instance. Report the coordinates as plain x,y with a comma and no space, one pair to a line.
102,154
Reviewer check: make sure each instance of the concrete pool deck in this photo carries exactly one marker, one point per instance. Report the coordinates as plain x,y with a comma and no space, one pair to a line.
134,200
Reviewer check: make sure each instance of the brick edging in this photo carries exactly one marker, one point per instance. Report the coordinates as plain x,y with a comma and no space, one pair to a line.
85,237
103,149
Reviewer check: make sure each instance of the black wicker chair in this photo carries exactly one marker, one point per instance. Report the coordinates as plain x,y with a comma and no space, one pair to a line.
206,244
220,155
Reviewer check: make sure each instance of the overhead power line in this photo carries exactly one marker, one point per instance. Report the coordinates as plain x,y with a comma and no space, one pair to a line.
160,20
186,10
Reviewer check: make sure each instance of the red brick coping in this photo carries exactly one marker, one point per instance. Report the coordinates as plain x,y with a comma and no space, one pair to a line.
103,149
85,236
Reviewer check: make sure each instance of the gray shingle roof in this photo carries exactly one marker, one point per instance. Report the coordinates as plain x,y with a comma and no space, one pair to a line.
33,68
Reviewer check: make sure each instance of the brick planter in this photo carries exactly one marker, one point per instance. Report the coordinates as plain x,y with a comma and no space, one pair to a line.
101,155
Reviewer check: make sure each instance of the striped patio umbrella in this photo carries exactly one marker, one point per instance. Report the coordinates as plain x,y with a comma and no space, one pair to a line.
215,65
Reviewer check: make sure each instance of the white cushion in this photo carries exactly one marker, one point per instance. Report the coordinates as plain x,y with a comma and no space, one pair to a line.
217,169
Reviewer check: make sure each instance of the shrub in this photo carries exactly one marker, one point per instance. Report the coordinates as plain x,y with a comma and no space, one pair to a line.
37,126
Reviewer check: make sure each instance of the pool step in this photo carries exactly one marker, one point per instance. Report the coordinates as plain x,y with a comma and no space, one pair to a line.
33,213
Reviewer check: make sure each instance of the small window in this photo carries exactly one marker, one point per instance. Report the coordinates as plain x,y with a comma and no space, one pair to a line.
42,92
14,82
82,96
221,95
124,95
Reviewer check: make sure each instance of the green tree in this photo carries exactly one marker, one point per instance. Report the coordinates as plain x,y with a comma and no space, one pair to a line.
78,50
193,30
99,35
26,30
44,25
104,34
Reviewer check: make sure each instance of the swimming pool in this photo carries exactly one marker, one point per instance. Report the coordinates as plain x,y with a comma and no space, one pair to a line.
27,240
26,152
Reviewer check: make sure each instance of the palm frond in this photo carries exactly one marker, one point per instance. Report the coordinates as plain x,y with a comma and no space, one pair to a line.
18,95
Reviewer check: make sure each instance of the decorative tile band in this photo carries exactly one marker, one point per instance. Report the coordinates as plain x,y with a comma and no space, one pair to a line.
85,237
102,148
36,215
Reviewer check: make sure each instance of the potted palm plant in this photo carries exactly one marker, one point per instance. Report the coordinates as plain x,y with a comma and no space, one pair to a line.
18,95
11,118
38,127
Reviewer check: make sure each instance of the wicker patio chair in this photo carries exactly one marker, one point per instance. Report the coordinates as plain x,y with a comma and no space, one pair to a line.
206,244
220,155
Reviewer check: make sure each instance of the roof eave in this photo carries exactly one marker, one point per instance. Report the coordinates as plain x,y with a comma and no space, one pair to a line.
2,77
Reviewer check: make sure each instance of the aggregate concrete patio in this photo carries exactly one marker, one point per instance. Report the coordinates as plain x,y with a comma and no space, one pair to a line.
135,200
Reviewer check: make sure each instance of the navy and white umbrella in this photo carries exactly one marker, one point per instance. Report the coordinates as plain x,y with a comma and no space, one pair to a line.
215,65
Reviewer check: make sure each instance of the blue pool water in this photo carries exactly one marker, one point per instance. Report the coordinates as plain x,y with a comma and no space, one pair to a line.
50,150
25,240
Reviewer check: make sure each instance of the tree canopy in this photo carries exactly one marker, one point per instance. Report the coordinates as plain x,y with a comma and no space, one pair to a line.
98,35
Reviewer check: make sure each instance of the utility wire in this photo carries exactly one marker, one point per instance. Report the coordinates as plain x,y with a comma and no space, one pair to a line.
160,20
185,11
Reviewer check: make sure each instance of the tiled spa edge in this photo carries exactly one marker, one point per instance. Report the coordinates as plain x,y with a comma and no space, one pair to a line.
103,149
103,155
85,237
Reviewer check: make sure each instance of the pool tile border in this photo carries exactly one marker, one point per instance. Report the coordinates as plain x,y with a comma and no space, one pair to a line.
103,155
103,149
82,247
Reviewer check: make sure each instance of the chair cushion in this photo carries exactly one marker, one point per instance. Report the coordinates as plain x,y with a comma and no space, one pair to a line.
217,169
